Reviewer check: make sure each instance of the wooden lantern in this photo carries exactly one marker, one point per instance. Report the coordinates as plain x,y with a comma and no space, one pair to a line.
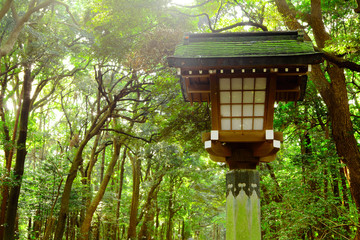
243,75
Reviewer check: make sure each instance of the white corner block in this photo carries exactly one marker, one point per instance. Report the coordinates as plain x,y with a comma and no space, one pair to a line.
207,144
309,68
214,135
269,135
276,144
178,71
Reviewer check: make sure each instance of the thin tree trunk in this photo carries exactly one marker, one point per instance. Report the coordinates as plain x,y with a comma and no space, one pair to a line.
157,222
50,220
37,225
29,229
85,227
277,195
102,166
73,172
122,170
11,213
136,168
148,209
169,230
86,178
344,188
4,188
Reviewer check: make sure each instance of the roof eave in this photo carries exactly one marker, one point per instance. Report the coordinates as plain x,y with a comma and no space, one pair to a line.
221,62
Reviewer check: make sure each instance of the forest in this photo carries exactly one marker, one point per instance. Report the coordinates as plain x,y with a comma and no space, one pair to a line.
96,141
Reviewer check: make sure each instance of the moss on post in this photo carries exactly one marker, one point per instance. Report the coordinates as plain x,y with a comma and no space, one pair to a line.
243,205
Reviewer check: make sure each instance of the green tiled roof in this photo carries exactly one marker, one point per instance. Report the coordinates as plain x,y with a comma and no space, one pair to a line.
244,49
240,46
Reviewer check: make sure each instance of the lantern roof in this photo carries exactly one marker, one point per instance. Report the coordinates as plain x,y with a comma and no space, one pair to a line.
244,49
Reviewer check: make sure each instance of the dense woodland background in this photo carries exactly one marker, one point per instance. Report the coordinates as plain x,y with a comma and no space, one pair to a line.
96,141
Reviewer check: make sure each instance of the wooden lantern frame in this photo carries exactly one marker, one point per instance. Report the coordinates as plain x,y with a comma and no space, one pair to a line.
200,70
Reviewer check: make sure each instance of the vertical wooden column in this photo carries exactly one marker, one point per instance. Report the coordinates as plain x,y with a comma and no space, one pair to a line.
215,106
243,205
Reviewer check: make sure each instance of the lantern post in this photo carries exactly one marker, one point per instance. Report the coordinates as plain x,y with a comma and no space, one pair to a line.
243,75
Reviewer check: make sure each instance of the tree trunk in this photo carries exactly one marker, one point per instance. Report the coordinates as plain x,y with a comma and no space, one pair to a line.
73,172
86,177
335,97
11,213
37,225
145,232
85,227
7,147
344,189
29,229
122,170
334,94
169,229
157,222
135,197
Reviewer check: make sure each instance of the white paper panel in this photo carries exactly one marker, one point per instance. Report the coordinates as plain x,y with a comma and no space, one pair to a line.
225,124
260,96
225,110
236,110
260,83
249,83
236,124
259,110
224,97
224,83
258,123
247,123
248,96
236,83
248,110
236,97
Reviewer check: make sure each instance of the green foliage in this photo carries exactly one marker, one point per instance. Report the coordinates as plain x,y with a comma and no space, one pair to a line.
81,61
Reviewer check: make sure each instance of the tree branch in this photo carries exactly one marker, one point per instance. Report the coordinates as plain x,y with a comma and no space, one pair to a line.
129,135
357,10
317,23
264,28
289,15
67,8
5,8
258,25
8,46
340,62
193,6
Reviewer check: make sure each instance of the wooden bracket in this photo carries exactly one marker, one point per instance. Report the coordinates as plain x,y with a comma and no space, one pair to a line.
217,159
218,149
264,149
